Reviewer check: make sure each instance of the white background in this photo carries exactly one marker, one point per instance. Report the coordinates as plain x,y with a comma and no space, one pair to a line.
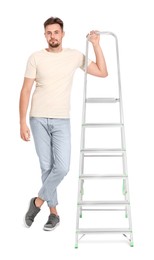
21,28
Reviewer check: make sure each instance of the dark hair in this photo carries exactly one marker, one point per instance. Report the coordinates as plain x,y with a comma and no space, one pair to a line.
53,20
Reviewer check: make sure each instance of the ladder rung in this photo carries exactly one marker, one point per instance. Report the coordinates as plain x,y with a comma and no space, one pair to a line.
96,203
102,125
103,209
102,100
89,176
103,150
103,230
103,155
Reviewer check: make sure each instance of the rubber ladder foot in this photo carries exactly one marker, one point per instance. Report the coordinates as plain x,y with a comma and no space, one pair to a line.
131,244
126,215
76,246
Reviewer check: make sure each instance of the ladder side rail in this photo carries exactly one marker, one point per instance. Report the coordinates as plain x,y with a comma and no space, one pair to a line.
123,139
82,146
82,142
85,83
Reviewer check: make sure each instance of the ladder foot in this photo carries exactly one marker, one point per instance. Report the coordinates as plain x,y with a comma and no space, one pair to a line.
126,215
76,246
131,244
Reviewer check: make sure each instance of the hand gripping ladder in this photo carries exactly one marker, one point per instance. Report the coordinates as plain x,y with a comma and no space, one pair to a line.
103,152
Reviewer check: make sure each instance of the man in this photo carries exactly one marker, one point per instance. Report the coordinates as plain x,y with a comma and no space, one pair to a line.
52,69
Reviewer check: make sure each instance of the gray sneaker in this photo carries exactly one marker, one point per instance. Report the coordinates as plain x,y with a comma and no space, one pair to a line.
52,223
31,213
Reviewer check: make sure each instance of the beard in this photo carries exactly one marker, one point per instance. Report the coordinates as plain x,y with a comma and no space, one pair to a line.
54,44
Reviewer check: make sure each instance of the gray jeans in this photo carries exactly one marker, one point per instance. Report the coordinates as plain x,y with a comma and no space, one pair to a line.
53,146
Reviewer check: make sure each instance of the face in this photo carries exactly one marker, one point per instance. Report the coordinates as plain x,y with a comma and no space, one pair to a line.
54,35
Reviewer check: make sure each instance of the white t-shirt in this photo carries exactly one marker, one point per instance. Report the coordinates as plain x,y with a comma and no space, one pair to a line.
53,73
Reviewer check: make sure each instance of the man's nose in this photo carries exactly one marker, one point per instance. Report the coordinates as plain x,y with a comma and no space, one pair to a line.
52,36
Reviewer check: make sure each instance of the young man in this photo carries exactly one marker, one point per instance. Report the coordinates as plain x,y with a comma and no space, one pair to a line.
52,69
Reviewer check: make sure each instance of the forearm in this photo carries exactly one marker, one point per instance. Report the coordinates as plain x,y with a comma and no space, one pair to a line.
23,105
97,68
100,60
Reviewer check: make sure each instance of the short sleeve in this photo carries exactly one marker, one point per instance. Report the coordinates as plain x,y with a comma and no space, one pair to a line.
82,61
31,68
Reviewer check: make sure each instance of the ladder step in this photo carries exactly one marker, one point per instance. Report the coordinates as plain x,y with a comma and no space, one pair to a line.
89,176
102,125
98,203
102,100
103,150
103,155
103,230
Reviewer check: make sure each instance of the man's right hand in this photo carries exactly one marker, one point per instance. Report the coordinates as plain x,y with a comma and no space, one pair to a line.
24,132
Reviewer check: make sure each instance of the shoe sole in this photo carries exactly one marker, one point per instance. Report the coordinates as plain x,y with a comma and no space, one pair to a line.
50,229
25,224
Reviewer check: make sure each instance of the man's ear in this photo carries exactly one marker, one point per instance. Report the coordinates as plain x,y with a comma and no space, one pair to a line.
63,34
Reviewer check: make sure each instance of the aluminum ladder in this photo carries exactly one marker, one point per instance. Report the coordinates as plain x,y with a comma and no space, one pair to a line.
103,152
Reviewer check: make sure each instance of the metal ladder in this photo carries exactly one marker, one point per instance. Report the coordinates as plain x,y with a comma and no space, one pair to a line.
103,152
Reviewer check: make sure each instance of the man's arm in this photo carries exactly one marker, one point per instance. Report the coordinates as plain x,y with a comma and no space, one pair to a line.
97,68
23,106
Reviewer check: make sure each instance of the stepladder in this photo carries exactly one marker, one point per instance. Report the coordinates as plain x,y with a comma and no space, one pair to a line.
103,200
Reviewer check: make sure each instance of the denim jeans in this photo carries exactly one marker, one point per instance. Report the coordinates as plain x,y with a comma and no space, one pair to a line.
52,140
